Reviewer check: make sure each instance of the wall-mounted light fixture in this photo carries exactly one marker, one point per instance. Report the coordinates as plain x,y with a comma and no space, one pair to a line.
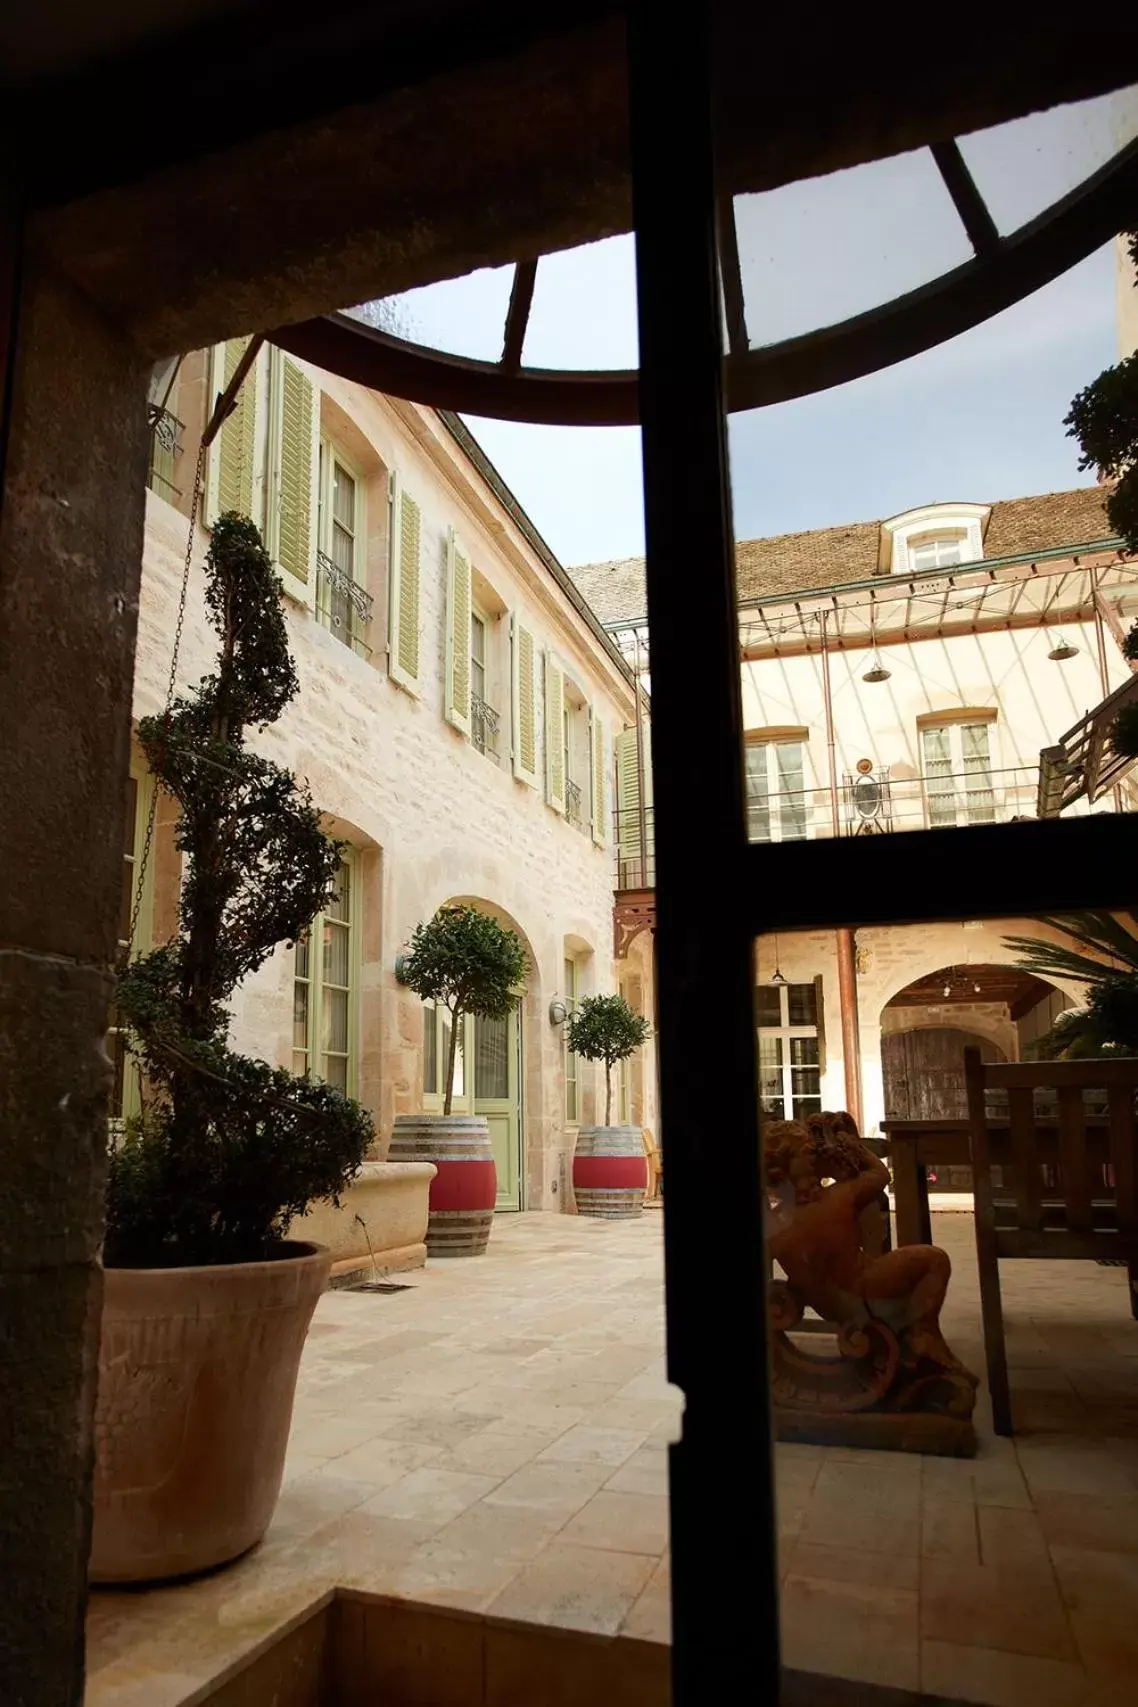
558,1012
401,968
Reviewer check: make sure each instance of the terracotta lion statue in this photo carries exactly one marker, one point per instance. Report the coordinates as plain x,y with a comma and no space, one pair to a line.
820,1178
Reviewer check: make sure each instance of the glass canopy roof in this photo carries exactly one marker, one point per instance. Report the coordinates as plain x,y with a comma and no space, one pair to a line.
824,279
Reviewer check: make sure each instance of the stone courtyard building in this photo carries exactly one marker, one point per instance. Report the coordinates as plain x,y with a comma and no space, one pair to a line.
456,724
939,668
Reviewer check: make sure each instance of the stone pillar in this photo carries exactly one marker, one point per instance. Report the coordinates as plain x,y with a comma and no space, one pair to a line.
71,527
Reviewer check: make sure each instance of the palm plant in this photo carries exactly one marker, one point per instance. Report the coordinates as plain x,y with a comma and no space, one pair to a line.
1103,956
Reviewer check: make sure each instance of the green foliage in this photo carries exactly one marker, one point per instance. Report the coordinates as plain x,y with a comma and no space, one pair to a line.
467,962
605,1028
1130,644
1124,733
230,1149
1108,1025
1104,419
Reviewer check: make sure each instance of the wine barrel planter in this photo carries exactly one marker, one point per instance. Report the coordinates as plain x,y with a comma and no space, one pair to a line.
610,1172
465,1188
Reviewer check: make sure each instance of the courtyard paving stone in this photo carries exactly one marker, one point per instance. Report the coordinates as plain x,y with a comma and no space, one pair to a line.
495,1439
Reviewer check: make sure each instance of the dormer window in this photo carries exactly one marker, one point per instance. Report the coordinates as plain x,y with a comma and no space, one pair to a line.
937,536
936,551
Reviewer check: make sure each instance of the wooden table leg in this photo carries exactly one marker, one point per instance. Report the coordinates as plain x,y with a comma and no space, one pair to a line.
910,1196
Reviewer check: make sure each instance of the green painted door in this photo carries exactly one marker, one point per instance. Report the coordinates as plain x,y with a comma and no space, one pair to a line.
496,1062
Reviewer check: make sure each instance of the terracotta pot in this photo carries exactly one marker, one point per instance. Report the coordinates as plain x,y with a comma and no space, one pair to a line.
610,1172
465,1189
197,1371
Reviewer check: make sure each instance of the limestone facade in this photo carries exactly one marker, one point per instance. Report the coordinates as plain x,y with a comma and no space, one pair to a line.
428,816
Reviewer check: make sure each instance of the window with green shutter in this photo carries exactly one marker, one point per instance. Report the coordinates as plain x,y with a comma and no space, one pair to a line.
231,469
555,731
292,529
524,704
459,636
325,987
597,754
403,600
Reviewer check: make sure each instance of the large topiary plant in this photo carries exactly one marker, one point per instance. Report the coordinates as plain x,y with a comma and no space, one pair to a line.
605,1028
228,1149
469,963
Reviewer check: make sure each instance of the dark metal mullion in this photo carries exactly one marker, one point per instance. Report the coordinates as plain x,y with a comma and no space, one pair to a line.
517,317
734,306
974,871
725,1622
966,198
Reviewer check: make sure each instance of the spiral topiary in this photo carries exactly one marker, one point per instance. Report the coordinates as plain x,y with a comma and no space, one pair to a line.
228,1149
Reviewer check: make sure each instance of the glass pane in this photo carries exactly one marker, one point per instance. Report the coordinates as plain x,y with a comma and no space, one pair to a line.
302,955
444,1056
339,907
889,226
979,799
343,550
758,793
1024,166
802,1007
802,1106
584,308
299,1062
770,1050
343,499
491,1058
465,316
430,1049
804,1053
336,1072
337,941
334,1021
300,1016
792,798
768,1004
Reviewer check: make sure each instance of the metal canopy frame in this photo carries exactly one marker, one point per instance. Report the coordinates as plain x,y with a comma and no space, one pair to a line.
1000,272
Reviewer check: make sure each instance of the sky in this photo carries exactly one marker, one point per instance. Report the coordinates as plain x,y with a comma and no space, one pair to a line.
977,418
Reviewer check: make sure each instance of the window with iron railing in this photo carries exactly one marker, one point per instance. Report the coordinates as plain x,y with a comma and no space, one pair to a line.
484,720
165,453
343,603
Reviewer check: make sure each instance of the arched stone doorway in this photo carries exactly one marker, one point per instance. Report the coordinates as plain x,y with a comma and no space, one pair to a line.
490,1068
926,1027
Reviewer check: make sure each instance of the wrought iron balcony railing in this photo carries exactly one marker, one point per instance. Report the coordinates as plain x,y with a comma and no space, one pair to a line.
574,811
484,725
342,604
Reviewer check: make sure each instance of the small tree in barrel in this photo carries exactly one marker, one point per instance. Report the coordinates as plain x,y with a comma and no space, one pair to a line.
470,964
604,1028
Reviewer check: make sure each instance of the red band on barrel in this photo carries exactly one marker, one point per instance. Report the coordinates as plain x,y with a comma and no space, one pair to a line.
611,1173
464,1185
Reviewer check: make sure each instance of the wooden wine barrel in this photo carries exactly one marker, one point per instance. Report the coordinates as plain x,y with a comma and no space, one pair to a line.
610,1172
465,1188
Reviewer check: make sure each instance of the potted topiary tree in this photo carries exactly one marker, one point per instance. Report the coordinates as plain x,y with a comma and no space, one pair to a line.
610,1170
206,1303
469,964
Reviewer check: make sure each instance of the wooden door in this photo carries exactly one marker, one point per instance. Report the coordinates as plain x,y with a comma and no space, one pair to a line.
923,1074
496,1083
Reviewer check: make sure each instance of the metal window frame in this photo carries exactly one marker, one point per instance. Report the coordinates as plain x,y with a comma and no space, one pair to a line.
725,1621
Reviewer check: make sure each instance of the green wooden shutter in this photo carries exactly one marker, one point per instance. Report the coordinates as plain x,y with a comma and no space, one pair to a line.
296,466
524,703
597,757
403,598
457,694
627,809
554,733
229,477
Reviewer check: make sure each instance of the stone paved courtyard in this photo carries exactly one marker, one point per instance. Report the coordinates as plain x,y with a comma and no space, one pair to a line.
495,1438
